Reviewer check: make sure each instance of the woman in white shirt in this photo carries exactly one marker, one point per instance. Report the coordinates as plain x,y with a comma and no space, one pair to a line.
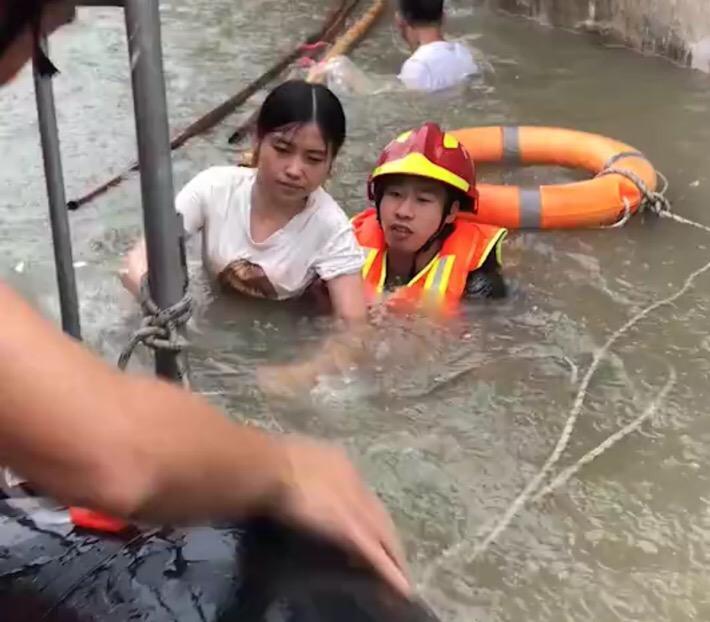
272,231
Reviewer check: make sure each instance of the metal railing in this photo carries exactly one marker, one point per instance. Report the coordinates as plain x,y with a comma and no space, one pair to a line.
166,270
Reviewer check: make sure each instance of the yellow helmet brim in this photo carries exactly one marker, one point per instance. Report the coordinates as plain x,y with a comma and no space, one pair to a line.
417,164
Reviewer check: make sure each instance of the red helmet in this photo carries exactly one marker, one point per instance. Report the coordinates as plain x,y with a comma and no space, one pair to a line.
427,152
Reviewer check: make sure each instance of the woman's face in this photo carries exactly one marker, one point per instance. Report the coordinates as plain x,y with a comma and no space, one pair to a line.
292,162
20,49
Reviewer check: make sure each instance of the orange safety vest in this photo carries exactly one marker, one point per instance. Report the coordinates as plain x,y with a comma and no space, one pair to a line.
442,281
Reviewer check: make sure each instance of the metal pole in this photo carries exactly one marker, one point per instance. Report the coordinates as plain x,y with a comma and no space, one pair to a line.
61,235
166,272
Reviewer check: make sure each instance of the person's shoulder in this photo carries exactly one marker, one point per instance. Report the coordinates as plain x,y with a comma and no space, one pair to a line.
428,51
225,175
463,51
219,188
418,58
415,71
457,56
328,211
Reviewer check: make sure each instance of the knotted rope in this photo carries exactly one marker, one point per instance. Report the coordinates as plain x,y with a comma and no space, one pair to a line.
160,328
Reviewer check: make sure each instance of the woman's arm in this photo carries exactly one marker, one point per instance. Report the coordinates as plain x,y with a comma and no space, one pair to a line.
347,348
190,203
135,266
347,297
352,346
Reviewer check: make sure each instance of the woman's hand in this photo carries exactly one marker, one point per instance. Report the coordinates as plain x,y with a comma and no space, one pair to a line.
135,266
347,296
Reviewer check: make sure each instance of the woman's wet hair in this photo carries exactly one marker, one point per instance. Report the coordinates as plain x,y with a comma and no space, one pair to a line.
422,12
297,102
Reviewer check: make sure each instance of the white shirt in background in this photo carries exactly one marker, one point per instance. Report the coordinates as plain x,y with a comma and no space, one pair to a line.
317,242
438,65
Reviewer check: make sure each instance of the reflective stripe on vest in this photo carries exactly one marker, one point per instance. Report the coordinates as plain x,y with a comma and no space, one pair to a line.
437,281
435,275
369,261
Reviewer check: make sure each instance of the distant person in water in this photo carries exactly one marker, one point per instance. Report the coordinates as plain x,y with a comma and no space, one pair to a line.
272,231
435,64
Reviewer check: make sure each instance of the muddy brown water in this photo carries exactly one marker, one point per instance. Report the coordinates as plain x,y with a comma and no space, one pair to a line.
449,437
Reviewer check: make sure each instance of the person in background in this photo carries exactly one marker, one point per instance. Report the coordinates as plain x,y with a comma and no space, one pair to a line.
272,231
144,449
435,64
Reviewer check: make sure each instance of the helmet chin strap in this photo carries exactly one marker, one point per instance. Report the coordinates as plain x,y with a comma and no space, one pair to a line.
439,234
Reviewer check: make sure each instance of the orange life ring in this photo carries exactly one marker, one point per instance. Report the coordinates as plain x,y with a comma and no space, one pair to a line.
599,201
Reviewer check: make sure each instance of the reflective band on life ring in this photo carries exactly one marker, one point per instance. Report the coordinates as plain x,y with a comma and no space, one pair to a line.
590,203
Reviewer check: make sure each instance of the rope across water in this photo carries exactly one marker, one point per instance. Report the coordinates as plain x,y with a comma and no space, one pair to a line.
658,203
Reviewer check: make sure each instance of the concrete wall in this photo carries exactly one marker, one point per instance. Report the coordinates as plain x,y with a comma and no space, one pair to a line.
678,29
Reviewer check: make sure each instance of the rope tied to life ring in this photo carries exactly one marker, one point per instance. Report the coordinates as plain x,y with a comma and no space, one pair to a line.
654,201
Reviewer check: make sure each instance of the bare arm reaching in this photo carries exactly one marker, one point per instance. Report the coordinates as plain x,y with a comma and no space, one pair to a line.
140,448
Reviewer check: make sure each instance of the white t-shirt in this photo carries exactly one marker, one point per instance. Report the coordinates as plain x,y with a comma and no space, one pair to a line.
438,65
317,242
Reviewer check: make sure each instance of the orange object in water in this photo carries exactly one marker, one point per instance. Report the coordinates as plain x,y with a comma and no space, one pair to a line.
95,521
600,201
441,283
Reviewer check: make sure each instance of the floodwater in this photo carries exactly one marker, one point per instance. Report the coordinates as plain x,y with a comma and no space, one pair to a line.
452,429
